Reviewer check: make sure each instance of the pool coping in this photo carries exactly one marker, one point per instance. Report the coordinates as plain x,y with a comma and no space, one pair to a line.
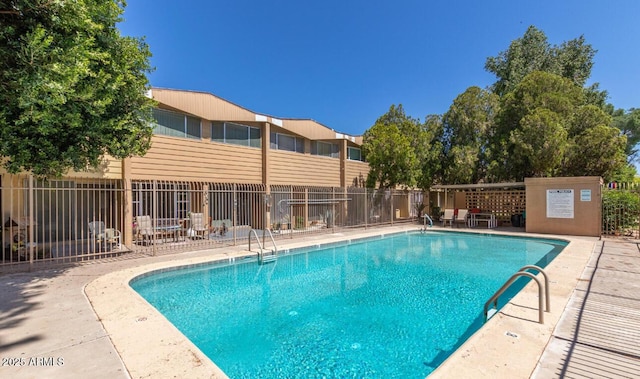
150,346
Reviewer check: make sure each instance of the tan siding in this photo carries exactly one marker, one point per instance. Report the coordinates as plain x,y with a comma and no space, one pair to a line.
211,107
303,169
356,170
203,105
172,158
309,129
111,168
316,131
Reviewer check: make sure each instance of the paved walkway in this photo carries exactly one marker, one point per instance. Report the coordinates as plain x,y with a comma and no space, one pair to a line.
598,335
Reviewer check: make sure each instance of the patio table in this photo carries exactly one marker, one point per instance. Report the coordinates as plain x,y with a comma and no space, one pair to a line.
173,231
489,218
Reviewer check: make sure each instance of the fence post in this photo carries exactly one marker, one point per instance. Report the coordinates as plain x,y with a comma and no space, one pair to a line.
333,209
154,210
366,210
391,202
234,221
31,223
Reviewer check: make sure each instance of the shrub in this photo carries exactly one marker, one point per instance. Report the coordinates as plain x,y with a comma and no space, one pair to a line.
620,210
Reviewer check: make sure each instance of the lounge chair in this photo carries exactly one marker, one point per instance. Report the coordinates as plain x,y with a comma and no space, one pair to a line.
103,236
448,217
144,228
198,227
462,217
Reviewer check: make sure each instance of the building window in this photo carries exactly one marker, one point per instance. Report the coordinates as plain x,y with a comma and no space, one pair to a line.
176,124
173,200
236,134
354,154
287,142
325,149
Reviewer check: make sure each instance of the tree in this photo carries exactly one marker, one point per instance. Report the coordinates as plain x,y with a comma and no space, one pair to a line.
431,153
468,125
546,128
520,125
538,144
598,151
401,151
73,89
392,160
628,122
532,52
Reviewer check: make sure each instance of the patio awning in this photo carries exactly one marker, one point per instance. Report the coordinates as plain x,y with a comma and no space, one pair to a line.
479,186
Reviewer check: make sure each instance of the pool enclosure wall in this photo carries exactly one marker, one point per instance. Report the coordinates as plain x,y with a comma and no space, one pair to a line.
570,206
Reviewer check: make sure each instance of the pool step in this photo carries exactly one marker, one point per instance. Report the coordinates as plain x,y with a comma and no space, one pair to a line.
267,257
264,255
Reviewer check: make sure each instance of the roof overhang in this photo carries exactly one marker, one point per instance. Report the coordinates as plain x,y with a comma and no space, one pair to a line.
479,186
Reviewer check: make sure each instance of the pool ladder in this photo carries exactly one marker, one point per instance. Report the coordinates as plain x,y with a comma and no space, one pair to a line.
264,255
426,217
522,272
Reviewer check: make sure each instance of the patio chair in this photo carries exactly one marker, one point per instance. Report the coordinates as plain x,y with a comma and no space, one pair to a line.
103,236
144,228
198,227
462,217
448,217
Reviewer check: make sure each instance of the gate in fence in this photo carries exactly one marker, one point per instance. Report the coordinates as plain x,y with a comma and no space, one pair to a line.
621,209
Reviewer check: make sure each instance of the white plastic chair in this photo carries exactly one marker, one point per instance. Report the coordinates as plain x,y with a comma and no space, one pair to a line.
100,234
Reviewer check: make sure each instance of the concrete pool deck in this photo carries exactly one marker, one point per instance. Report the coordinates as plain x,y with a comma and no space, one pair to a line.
85,321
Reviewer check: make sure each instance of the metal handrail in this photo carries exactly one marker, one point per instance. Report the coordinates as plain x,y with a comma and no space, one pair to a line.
426,217
512,279
546,283
261,252
253,231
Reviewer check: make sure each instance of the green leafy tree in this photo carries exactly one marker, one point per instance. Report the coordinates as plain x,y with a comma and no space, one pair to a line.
532,52
392,160
628,122
546,128
72,88
432,152
521,126
468,125
598,151
538,144
626,174
595,147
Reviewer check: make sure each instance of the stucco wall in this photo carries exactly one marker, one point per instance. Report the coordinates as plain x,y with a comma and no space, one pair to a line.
569,206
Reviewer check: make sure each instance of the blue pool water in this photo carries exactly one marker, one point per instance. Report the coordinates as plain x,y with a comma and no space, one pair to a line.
392,307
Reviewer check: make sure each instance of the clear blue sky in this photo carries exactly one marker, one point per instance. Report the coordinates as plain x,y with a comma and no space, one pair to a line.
343,63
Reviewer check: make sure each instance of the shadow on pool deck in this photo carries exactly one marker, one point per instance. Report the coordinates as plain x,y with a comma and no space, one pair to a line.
598,334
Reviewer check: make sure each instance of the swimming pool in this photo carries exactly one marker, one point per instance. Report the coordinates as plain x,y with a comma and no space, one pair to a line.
395,306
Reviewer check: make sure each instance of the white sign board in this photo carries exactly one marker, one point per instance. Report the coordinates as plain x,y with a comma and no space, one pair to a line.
560,203
585,195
